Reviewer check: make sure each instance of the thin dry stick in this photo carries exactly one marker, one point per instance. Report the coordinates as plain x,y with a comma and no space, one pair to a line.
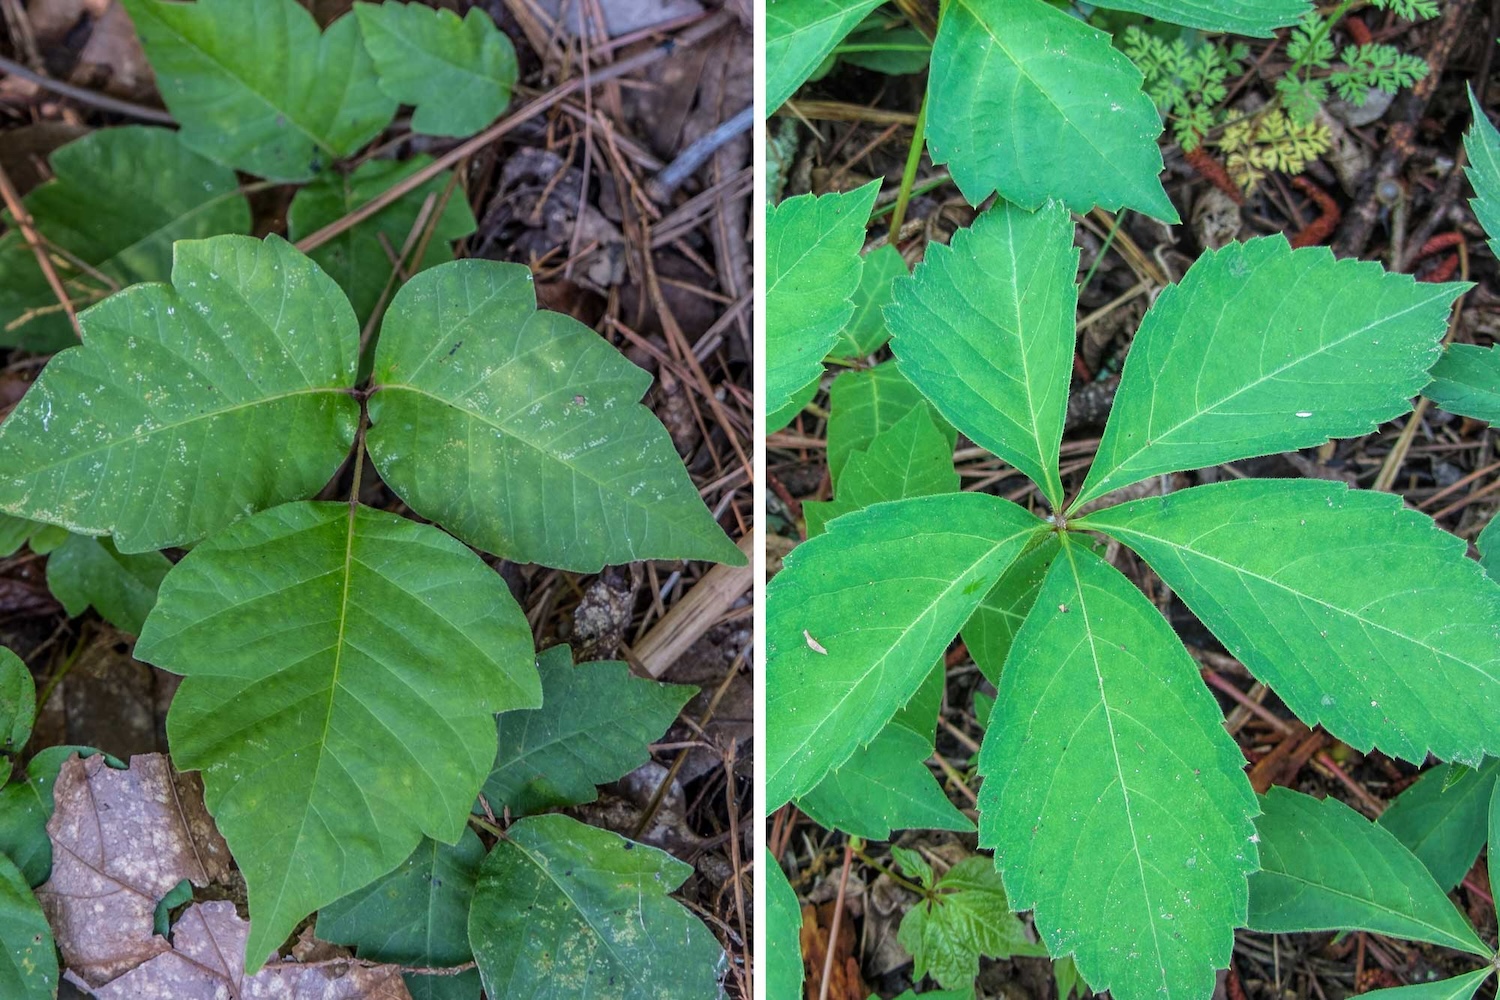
28,231
695,614
833,929
101,101
703,29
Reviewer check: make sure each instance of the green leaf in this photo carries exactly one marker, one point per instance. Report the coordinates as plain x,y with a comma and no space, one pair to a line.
1326,867
895,51
1458,988
913,865
564,909
519,430
340,699
862,404
877,626
1258,18
189,405
89,572
984,329
28,958
416,916
1065,974
992,628
969,918
1482,143
1492,863
1263,349
1361,615
1488,544
1116,803
813,269
25,808
799,399
1442,818
783,965
118,199
594,726
255,86
14,531
800,34
17,704
866,331
357,258
457,73
1029,102
886,785
911,459
1466,381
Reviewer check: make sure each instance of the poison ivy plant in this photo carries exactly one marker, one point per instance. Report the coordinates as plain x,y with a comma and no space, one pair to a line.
339,697
86,572
1326,867
28,959
256,86
357,258
593,727
457,73
417,916
17,703
812,272
118,199
561,908
1116,804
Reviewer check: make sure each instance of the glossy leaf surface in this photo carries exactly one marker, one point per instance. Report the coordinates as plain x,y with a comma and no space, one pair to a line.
1258,18
1263,349
189,405
118,199
866,332
520,430
1326,867
564,909
593,727
256,86
458,73
881,594
1361,615
984,329
1030,102
340,699
17,703
1115,802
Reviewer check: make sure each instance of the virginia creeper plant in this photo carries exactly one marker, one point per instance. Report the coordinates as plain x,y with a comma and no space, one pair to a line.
1114,801
353,679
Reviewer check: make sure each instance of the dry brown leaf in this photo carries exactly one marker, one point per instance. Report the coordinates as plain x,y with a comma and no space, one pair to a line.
121,840
208,963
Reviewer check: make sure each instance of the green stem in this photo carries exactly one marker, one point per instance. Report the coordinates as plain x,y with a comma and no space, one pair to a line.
1109,239
907,884
909,175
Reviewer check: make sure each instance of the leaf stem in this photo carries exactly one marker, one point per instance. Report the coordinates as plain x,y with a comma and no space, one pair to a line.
909,175
904,883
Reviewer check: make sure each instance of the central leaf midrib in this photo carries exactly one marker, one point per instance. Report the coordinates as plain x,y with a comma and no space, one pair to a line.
1445,934
1288,589
510,434
1135,841
196,418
